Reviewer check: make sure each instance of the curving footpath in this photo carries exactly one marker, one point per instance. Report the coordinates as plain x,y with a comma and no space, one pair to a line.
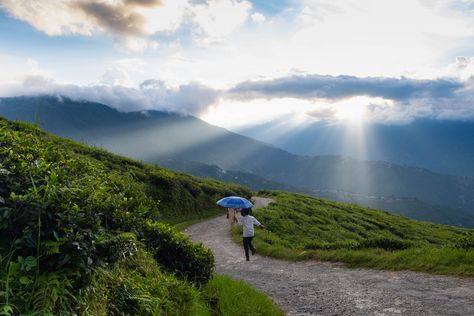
323,288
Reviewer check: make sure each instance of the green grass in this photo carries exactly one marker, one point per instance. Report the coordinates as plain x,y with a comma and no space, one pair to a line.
230,297
137,286
300,227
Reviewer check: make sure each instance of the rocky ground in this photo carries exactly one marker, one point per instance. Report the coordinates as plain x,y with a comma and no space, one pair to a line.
322,288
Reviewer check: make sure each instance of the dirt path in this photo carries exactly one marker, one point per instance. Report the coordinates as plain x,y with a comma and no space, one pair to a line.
321,288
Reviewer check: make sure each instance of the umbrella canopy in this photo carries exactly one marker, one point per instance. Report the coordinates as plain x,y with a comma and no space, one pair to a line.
235,202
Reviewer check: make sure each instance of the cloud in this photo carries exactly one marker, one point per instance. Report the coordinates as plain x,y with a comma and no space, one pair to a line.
133,20
339,87
115,77
328,98
63,17
192,98
257,17
217,19
387,100
130,22
119,19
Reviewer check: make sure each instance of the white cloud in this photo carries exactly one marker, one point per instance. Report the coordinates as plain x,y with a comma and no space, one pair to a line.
361,38
129,21
115,77
257,17
191,98
217,19
51,17
367,37
15,69
83,17
137,44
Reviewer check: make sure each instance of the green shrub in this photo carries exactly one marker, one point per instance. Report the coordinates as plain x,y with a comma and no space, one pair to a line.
135,286
315,245
229,297
118,247
57,205
385,243
177,253
465,242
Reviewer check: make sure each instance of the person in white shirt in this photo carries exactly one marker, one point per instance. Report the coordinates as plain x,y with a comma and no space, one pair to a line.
247,221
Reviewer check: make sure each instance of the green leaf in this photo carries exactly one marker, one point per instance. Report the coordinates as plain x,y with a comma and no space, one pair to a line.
25,280
13,267
6,310
30,263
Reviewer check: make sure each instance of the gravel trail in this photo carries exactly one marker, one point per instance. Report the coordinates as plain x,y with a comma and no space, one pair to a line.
322,288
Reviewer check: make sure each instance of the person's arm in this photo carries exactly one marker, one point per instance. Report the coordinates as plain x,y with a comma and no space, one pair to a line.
256,222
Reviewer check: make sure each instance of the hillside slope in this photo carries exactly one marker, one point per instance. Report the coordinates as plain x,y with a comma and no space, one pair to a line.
301,227
80,232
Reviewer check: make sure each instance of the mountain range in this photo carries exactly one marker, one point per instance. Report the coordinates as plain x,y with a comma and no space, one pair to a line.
440,145
186,143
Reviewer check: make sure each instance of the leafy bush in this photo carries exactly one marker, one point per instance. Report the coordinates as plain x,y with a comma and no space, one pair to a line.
234,298
57,205
177,253
135,286
385,243
465,242
118,247
315,245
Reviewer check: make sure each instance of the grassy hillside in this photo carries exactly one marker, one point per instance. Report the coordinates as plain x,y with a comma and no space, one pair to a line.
180,195
301,227
81,233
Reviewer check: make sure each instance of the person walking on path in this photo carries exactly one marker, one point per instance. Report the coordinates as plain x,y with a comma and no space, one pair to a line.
231,216
247,221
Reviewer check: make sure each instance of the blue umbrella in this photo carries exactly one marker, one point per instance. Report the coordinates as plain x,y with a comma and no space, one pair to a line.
235,202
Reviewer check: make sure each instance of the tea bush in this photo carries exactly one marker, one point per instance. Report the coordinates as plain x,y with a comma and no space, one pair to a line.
135,286
465,242
176,253
385,243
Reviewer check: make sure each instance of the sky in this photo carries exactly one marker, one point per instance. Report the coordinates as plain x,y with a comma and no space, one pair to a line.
240,63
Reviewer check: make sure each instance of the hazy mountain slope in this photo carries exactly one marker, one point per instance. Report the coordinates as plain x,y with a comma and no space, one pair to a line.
207,171
442,146
157,137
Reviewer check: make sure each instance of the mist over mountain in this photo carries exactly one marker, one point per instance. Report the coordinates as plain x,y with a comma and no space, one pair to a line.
191,145
441,146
